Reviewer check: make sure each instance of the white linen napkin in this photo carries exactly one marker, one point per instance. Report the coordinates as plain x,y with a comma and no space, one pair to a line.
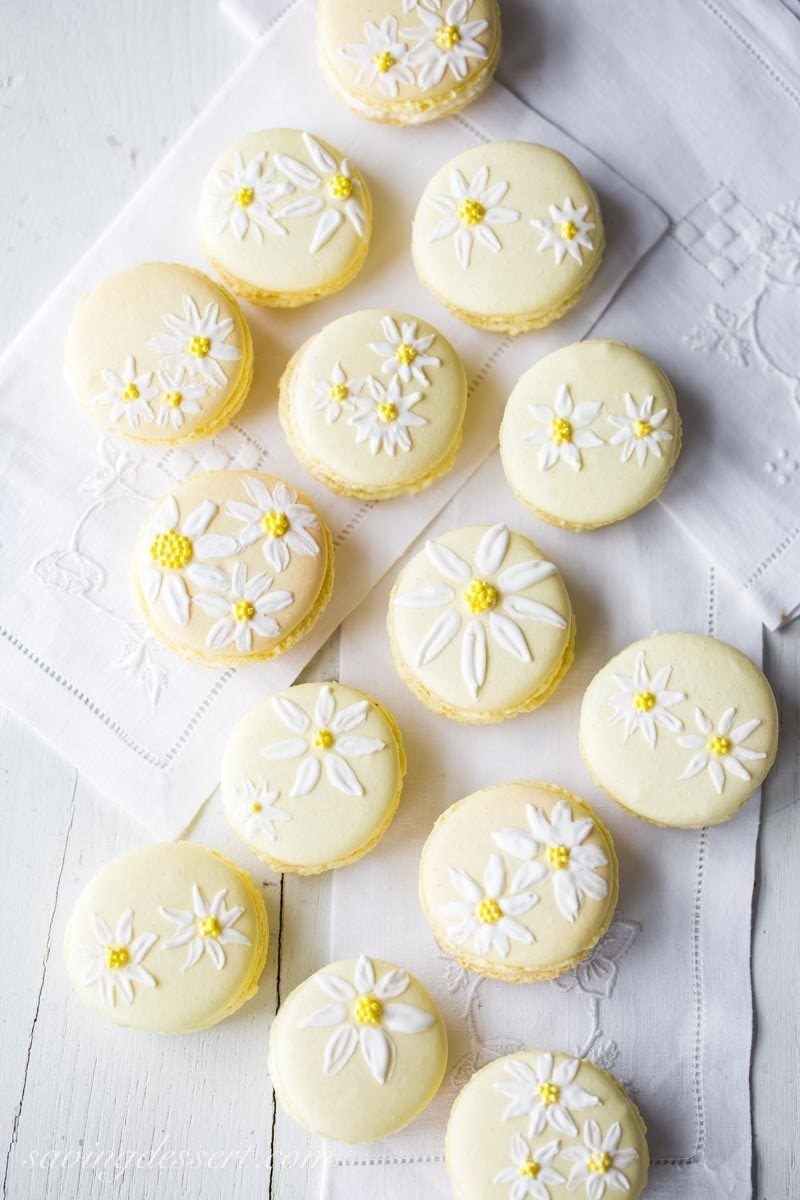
75,661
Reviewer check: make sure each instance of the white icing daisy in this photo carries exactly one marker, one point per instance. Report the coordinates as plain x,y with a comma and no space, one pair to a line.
200,344
205,929
381,59
279,518
445,41
364,1014
483,590
404,353
567,231
254,809
385,416
643,703
244,609
470,212
721,750
179,398
336,187
531,1170
179,548
563,433
571,866
332,735
488,914
546,1095
114,963
246,198
599,1163
128,393
335,394
640,430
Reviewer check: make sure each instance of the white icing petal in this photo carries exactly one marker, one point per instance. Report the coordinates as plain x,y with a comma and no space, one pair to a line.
434,595
438,637
339,1050
307,777
492,549
448,562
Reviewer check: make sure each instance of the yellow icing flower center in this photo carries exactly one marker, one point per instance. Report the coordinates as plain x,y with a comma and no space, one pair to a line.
558,857
405,354
130,392
255,807
243,610
173,399
480,595
117,957
199,346
276,524
384,62
388,412
338,393
244,197
340,187
367,1010
529,1169
324,739
171,550
560,430
642,429
447,36
209,927
488,912
471,212
644,701
568,230
719,745
548,1093
600,1163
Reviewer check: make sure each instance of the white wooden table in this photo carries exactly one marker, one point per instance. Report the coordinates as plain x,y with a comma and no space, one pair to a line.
91,95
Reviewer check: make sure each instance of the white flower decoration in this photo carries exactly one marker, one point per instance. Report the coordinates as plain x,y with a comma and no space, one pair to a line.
362,1015
643,703
487,914
546,1095
567,231
563,433
279,517
333,180
115,962
531,1171
599,1163
336,394
484,590
722,750
571,866
385,416
245,608
255,810
405,354
179,398
197,343
245,201
129,394
180,547
640,430
205,929
333,736
442,42
470,212
381,59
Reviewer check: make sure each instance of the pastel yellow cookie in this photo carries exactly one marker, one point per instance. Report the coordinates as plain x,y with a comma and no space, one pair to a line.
312,777
232,567
408,63
480,625
168,939
508,236
159,354
545,1126
679,729
285,218
590,434
373,405
357,1051
519,881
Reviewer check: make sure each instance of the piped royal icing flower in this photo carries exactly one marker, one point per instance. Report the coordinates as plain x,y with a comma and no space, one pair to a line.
384,416
255,810
720,750
562,432
404,353
643,703
488,913
547,1094
445,42
205,928
566,232
246,198
640,431
279,518
470,213
335,192
197,343
114,962
179,546
129,394
599,1163
243,607
531,1170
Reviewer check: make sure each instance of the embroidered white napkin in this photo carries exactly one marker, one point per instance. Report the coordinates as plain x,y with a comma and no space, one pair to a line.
75,660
